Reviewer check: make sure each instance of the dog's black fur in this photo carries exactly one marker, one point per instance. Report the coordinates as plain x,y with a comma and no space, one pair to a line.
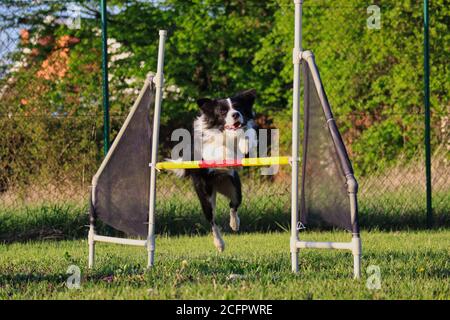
225,116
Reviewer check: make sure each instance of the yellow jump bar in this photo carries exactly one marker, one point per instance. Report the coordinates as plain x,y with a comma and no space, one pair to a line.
246,162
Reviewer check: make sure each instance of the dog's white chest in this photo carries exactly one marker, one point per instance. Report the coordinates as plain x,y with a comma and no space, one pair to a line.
218,146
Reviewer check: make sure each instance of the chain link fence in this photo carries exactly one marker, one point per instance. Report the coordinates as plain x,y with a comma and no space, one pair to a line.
50,151
40,182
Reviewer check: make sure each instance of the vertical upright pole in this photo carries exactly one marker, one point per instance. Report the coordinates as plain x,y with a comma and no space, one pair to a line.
352,189
426,70
105,79
295,133
159,84
91,234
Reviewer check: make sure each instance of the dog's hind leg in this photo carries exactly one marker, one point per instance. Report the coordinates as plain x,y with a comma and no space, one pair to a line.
230,187
207,196
235,202
218,241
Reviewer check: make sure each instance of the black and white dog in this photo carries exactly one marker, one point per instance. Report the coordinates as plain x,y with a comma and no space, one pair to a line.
226,130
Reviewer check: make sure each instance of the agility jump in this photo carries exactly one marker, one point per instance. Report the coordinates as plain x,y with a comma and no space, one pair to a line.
245,162
124,187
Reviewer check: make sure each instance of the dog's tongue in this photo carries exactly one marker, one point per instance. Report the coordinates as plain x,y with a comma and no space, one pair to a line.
234,126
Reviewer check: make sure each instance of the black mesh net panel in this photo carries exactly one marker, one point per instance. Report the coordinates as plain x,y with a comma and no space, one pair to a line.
324,200
122,191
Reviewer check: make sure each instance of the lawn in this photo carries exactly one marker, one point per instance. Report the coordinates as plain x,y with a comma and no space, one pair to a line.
413,265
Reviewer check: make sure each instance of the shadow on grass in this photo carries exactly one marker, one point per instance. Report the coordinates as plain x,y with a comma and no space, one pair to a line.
222,268
22,278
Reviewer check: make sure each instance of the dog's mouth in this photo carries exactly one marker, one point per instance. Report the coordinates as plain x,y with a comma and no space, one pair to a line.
234,126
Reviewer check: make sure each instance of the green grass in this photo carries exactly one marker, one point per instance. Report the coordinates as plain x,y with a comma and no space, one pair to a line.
414,265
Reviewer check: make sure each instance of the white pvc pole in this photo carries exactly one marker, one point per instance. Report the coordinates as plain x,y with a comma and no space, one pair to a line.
326,245
91,234
356,250
295,133
131,242
91,242
159,83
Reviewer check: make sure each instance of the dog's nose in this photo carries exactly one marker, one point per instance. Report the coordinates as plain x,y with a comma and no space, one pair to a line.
235,115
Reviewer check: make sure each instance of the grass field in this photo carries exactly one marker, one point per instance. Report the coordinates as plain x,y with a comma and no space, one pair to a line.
413,265
39,240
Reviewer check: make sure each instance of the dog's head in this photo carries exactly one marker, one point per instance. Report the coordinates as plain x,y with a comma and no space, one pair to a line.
229,114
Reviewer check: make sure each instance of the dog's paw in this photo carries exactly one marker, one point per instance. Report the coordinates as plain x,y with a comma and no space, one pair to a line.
234,221
247,146
243,146
218,241
219,244
248,143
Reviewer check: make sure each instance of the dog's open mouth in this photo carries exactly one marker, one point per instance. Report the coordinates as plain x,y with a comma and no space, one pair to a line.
234,126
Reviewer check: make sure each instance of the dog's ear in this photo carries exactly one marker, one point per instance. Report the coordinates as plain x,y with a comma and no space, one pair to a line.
203,101
247,97
206,105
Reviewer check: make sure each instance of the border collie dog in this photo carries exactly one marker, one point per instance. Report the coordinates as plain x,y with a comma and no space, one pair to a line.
224,130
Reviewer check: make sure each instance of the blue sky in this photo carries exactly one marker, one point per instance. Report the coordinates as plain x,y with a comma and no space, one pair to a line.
8,37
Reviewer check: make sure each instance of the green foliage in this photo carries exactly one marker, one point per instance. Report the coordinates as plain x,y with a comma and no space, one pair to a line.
373,78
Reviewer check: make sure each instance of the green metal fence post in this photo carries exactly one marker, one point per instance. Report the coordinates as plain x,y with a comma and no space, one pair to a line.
105,78
426,69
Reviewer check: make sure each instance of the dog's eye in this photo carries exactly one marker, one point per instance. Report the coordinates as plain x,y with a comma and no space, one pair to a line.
223,111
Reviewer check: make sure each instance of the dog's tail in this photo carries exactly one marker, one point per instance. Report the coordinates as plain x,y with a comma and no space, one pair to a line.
180,173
